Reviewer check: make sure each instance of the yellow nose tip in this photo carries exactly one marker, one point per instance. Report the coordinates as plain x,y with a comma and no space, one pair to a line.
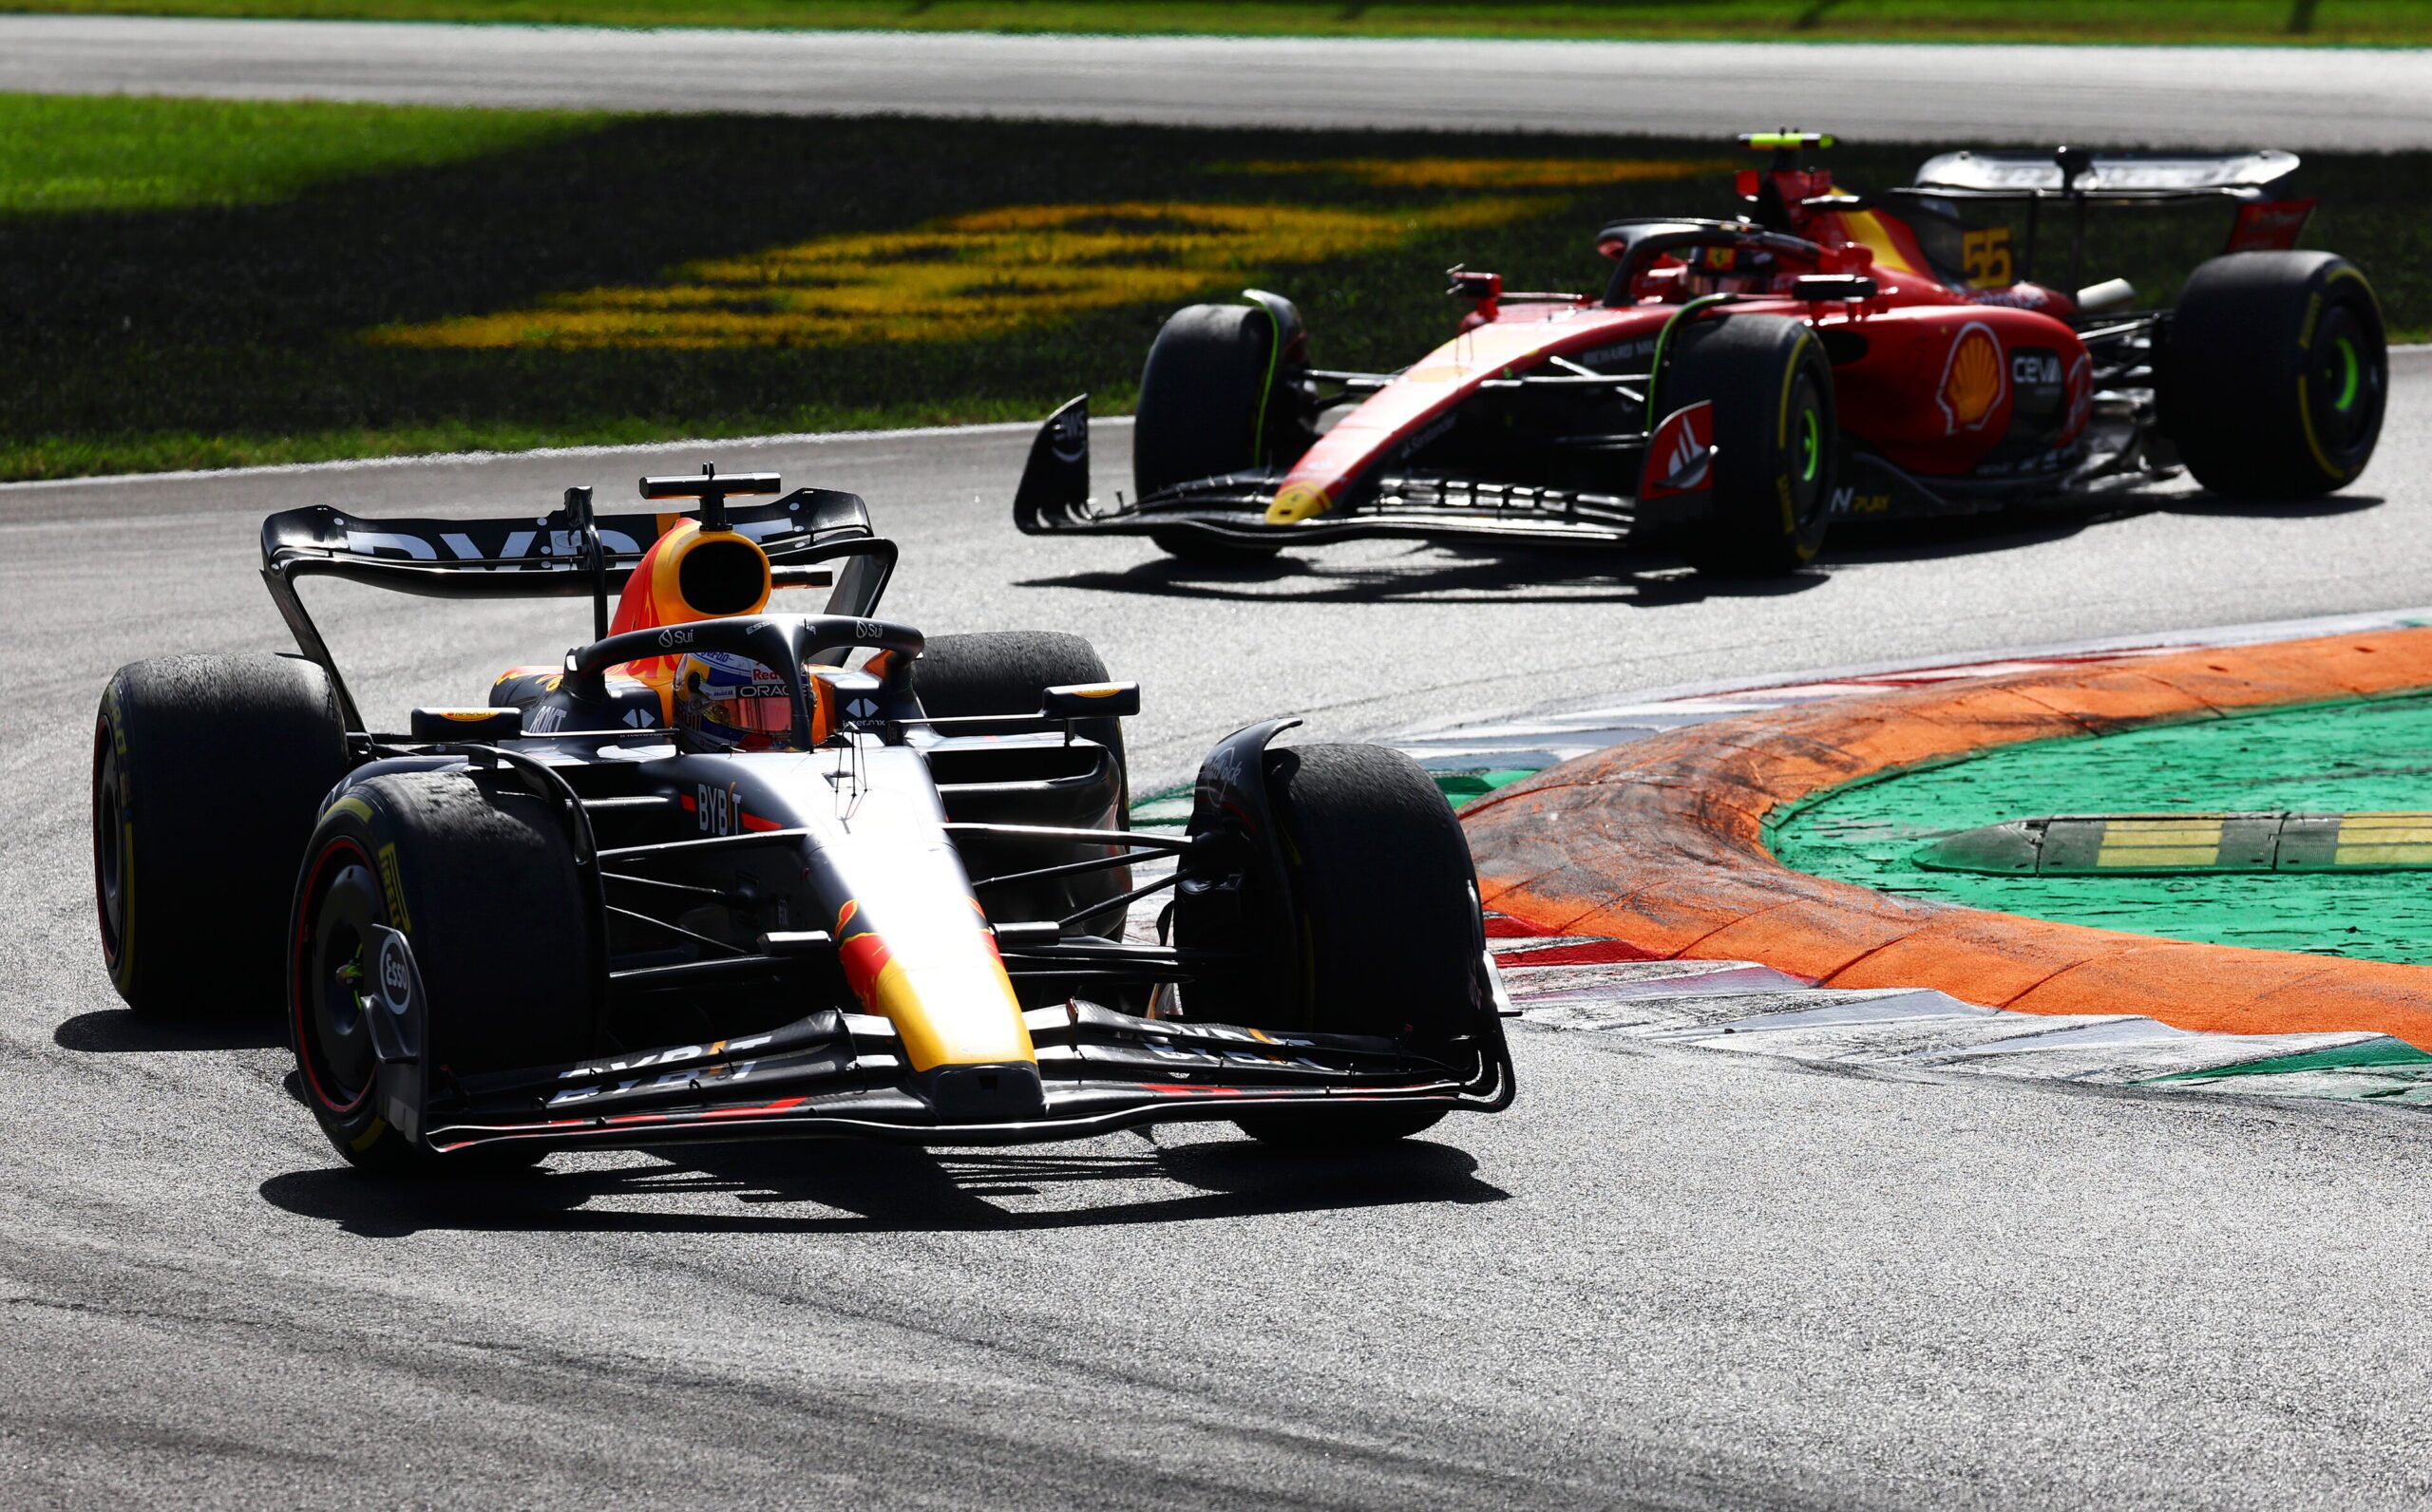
1295,502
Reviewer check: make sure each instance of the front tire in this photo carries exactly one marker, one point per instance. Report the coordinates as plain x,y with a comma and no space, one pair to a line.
1213,400
207,771
1384,905
483,883
2274,374
1775,441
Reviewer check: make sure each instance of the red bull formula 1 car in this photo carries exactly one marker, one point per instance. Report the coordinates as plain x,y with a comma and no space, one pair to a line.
1739,385
724,873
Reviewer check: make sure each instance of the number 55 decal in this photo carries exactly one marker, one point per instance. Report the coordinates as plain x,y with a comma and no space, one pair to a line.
1986,255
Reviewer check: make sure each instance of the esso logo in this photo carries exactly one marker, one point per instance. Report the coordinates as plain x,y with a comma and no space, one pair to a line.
396,975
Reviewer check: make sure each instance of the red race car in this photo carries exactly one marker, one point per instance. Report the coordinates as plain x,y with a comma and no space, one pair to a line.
1741,384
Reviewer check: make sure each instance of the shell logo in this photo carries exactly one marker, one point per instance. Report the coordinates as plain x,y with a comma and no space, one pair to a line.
1972,381
1295,502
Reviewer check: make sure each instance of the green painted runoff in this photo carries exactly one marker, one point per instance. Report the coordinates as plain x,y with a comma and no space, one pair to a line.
2354,757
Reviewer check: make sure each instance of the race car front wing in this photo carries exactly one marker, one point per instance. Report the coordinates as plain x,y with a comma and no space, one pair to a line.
1054,498
844,1075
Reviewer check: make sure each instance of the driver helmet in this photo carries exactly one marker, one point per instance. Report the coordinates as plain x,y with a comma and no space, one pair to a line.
725,701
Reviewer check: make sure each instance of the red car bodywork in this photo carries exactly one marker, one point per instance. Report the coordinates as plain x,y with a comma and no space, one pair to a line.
1954,383
1928,370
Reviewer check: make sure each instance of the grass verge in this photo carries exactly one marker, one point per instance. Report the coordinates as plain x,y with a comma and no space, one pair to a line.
209,284
2384,23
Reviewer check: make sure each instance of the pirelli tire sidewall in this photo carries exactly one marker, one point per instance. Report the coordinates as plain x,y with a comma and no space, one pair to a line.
2274,374
1213,400
206,774
1385,916
1776,440
480,878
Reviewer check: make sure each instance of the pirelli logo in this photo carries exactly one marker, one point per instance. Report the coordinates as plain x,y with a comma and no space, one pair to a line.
393,887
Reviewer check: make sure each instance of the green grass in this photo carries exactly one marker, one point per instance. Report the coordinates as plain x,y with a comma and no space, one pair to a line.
2392,23
63,153
193,284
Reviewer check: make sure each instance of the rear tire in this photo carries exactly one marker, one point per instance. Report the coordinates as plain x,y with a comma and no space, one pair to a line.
1008,672
1385,905
483,884
2274,374
1775,441
224,760
1211,401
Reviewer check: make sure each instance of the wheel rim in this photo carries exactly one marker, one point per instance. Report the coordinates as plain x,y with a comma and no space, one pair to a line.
1807,457
109,854
332,944
2344,391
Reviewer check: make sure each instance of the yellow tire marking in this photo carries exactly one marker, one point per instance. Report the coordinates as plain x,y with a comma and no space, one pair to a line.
392,886
1781,436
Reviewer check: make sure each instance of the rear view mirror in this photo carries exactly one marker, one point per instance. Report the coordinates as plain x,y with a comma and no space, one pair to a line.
1093,700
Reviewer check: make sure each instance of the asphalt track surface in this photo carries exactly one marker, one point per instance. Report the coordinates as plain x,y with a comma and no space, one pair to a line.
1667,1277
2296,97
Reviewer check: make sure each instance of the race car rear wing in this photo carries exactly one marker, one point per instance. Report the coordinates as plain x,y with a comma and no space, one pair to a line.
2071,172
569,552
2257,182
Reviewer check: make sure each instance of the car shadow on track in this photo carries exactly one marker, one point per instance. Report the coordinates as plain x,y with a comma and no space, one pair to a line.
116,1030
1453,571
2214,504
1448,573
872,1187
2014,529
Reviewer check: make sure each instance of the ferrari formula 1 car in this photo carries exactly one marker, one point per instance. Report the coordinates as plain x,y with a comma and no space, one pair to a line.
1741,384
724,873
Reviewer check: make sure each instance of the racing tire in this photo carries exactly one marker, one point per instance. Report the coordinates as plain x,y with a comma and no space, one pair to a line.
1211,401
1386,907
224,761
1008,672
2274,374
1775,442
482,880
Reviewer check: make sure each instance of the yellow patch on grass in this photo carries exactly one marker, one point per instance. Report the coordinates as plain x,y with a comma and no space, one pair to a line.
1494,173
986,273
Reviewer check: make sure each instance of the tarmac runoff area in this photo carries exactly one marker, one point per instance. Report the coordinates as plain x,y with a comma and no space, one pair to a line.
1640,892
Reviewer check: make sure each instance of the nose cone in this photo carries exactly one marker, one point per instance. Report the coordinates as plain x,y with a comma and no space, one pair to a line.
932,973
1295,502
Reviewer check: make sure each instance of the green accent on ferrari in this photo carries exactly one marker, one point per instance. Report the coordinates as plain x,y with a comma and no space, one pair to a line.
1811,446
1274,355
2363,765
1662,341
2351,375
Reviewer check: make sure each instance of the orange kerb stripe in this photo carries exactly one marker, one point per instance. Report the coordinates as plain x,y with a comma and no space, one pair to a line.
1661,844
